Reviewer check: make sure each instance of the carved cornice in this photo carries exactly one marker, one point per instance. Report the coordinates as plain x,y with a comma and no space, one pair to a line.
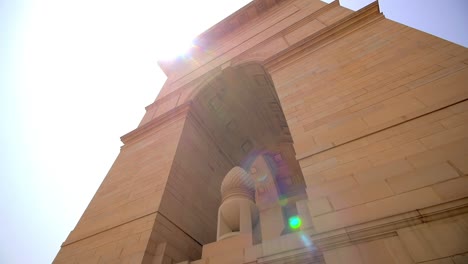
349,24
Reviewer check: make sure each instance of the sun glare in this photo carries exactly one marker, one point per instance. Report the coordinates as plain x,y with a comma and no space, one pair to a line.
174,48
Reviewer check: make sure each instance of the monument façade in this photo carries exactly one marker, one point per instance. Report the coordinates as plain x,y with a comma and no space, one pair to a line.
294,132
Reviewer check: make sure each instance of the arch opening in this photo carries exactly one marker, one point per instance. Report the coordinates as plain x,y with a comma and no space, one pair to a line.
235,119
241,112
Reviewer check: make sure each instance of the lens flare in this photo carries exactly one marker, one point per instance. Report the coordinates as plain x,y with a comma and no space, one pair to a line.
283,201
306,240
295,222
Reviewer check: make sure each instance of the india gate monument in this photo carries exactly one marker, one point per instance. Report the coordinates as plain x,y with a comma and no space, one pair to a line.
294,132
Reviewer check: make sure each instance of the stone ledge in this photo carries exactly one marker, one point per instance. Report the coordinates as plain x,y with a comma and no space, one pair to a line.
386,227
67,243
142,131
310,244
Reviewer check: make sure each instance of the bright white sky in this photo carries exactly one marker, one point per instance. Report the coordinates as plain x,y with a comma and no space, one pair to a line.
76,75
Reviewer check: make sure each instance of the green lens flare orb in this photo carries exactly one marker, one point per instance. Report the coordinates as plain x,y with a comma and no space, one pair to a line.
295,222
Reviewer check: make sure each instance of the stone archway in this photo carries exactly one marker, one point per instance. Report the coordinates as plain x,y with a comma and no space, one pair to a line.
233,120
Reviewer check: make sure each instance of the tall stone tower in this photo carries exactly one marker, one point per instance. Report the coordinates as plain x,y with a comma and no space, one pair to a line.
354,126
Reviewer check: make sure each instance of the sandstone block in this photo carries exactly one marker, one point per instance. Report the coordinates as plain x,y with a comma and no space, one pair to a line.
461,164
383,171
331,187
450,135
319,206
361,194
422,177
453,189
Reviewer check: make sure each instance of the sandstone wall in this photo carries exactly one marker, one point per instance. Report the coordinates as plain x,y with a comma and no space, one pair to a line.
379,122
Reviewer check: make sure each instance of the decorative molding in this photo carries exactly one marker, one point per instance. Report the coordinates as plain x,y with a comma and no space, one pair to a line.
312,244
386,227
339,29
303,255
